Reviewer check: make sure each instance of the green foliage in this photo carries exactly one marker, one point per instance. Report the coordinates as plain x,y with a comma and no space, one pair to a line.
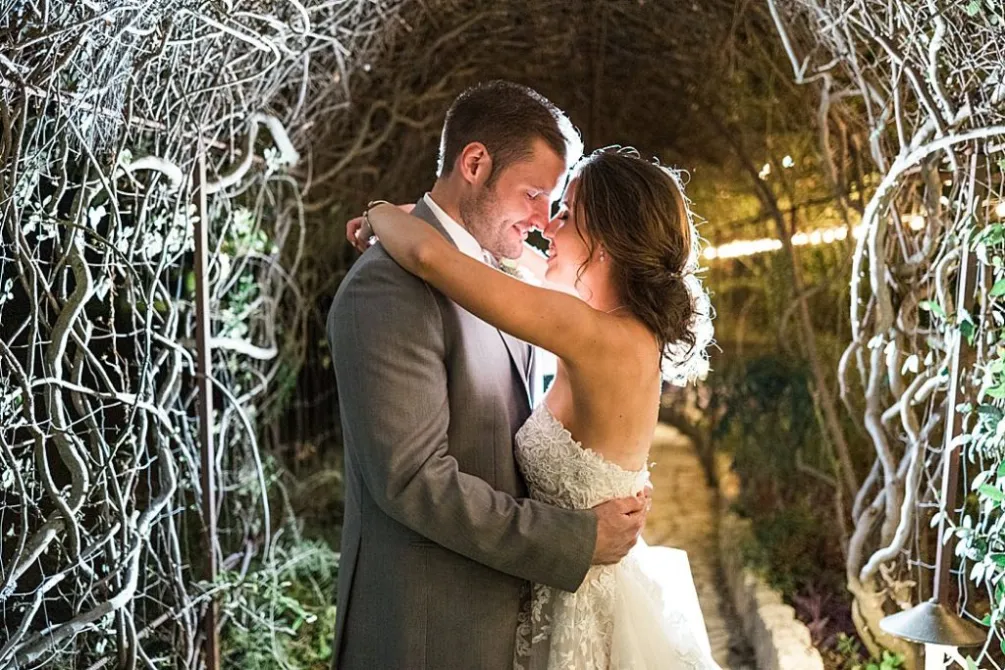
981,531
847,654
767,419
888,661
794,550
281,612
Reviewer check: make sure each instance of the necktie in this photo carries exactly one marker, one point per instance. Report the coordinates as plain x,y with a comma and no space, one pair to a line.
490,259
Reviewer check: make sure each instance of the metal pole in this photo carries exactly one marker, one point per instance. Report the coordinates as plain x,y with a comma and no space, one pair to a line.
960,360
205,388
934,623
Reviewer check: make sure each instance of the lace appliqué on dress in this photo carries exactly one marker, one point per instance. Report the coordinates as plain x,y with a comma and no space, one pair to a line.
557,629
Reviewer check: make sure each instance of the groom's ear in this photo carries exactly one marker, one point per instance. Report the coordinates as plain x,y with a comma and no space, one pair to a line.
475,163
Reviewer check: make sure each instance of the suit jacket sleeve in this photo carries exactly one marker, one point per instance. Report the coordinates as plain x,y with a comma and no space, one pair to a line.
387,340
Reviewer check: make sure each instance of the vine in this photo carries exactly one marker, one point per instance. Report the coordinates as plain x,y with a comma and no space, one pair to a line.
907,78
103,112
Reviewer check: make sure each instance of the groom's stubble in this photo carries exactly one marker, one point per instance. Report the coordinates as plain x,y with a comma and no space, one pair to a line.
479,214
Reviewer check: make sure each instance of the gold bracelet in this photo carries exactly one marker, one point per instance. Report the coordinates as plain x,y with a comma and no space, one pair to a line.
370,205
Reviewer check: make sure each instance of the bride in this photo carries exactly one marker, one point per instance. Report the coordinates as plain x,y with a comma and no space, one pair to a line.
630,314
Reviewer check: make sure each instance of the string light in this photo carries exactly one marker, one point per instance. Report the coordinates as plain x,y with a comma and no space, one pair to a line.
743,248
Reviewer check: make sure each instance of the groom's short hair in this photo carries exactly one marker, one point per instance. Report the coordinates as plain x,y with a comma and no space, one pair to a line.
506,118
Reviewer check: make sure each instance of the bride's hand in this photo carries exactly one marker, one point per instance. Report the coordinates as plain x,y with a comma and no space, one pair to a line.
360,236
360,239
413,243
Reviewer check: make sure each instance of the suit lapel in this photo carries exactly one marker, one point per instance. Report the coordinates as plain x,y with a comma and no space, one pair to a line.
517,353
517,349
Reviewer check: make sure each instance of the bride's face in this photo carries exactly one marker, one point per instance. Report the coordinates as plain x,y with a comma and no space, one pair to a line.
568,249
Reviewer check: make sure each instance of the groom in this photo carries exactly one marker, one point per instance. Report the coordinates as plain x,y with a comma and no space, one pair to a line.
439,539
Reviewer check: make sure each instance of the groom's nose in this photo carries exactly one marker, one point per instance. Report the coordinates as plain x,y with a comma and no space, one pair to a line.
540,214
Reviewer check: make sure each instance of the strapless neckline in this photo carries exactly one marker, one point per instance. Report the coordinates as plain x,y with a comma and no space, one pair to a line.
589,453
562,471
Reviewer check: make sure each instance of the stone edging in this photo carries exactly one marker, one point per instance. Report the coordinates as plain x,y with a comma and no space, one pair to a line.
780,641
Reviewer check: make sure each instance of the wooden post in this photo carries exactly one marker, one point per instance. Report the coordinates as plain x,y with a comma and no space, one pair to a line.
205,393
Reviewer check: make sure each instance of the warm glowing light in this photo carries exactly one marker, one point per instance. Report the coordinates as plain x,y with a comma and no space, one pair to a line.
741,248
1000,210
765,171
915,221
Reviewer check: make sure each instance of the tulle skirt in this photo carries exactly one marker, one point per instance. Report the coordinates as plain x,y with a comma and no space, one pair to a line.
641,614
657,618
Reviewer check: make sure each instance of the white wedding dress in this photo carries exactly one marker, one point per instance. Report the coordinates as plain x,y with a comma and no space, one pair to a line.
641,613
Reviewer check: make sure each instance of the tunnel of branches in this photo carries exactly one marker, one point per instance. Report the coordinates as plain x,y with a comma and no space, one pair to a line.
705,87
789,116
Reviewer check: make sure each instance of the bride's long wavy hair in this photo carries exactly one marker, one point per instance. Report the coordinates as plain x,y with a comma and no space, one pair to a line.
636,212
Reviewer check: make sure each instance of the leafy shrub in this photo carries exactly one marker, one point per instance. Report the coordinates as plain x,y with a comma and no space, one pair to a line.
281,612
766,418
769,425
795,551
847,655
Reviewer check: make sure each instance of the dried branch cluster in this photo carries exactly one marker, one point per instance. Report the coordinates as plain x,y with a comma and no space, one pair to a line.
922,83
103,110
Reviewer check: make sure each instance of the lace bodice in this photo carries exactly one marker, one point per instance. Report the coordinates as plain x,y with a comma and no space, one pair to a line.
561,472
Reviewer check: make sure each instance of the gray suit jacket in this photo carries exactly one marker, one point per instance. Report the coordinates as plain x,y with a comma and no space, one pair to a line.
438,539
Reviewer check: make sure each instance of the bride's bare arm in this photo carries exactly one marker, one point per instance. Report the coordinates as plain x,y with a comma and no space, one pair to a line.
558,322
531,259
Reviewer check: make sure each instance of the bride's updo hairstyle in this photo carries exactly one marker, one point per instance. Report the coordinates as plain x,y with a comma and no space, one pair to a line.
636,212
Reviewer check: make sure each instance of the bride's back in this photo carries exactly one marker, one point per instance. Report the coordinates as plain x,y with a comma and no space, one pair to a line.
611,403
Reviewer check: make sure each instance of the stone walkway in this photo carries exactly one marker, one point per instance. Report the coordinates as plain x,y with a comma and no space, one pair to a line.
684,515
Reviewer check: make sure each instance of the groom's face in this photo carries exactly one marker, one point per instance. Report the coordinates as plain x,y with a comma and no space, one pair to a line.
502,211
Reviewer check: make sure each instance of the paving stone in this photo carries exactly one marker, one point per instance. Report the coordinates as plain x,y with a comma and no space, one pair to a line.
685,515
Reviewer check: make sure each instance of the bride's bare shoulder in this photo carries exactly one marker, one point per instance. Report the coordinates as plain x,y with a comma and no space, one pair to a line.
628,347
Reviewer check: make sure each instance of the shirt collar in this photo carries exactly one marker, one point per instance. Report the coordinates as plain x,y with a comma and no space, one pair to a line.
464,240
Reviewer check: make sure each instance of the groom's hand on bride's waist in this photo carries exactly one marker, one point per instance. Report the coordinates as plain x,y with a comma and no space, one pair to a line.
619,523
